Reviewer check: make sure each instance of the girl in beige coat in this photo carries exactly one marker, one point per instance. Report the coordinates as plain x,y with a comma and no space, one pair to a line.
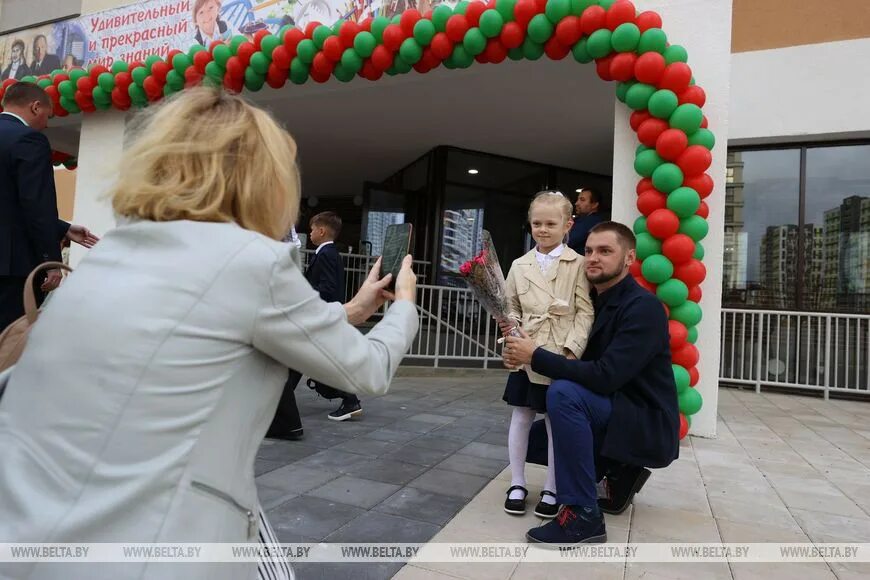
548,294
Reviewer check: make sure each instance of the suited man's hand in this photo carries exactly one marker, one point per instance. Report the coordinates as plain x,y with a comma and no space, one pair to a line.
82,235
52,280
518,350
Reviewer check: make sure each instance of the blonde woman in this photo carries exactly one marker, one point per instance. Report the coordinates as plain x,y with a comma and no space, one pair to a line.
136,411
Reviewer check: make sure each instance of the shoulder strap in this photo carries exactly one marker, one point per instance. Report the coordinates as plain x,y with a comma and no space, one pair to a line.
29,296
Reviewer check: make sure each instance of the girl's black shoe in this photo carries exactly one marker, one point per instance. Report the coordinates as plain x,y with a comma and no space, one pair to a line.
516,507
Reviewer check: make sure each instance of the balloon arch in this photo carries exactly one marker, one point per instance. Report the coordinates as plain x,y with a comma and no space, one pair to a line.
628,47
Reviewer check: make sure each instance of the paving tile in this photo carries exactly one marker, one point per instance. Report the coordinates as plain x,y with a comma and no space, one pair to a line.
677,571
392,435
829,527
310,517
385,528
367,446
568,571
388,471
262,466
415,426
485,450
285,451
295,478
440,442
418,455
411,572
474,465
450,483
333,460
432,418
354,491
355,570
421,505
782,571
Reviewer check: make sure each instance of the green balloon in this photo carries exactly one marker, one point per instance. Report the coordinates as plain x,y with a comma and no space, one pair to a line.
335,28
461,58
699,251
424,30
100,96
625,37
681,377
103,105
364,44
474,41
704,138
77,73
397,19
460,7
259,63
343,74
667,177
149,61
693,334
646,162
222,54
491,23
540,29
516,54
136,93
675,53
298,71
662,103
622,89
639,226
440,16
695,227
320,34
306,50
191,52
119,66
181,62
28,79
66,89
647,245
652,40
606,3
351,61
638,96
578,6
641,148
402,67
214,73
599,44
253,80
410,51
175,80
673,292
269,43
236,42
532,50
106,82
43,83
71,106
690,402
139,75
684,201
581,52
657,269
379,24
556,10
689,420
689,313
506,9
687,118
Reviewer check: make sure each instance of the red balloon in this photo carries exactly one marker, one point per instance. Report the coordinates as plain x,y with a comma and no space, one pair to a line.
568,31
393,37
684,426
622,66
676,77
647,285
647,20
153,89
592,19
694,376
275,77
457,26
431,60
694,95
159,70
525,10
685,356
332,48
541,5
512,35
320,76
481,58
667,310
322,65
695,160
635,269
671,143
311,27
662,223
408,19
382,58
649,67
51,91
649,131
85,85
602,67
192,77
473,12
370,72
678,248
281,57
291,39
555,50
120,99
691,273
214,44
421,67
678,334
703,184
200,59
366,24
651,200
703,210
495,52
643,185
94,72
695,294
258,37
637,118
347,33
619,13
235,68
704,122
441,46
247,49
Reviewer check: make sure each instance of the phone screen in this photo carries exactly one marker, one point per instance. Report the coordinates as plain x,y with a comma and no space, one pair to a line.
397,243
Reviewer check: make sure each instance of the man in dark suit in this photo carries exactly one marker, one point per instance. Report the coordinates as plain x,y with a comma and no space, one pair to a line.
30,231
43,63
587,208
615,410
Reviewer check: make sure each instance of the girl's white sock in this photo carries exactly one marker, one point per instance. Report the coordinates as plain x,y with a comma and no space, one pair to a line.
550,484
518,445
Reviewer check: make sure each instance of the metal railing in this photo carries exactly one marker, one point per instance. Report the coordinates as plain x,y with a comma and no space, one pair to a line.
804,350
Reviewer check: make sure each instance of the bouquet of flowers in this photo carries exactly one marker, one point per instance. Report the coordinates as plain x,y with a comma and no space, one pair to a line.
485,279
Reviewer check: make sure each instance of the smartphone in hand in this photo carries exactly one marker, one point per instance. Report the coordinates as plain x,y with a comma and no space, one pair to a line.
397,244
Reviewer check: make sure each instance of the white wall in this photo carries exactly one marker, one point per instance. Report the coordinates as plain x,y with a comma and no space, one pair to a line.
20,13
703,27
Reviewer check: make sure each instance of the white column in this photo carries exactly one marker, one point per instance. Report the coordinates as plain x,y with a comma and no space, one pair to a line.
100,146
703,27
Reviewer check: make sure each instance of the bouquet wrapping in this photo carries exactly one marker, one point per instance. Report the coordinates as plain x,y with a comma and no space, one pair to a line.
485,279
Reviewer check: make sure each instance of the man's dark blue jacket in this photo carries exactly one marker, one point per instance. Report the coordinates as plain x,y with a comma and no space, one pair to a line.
628,358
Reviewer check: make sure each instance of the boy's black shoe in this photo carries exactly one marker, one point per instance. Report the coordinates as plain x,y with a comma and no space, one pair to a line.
346,411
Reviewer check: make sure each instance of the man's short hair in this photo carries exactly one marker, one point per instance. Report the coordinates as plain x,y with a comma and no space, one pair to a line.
623,233
37,37
22,94
328,219
594,196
